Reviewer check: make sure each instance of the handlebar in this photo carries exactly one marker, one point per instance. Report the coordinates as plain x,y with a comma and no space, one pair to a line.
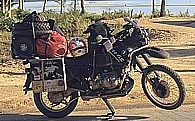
136,24
133,22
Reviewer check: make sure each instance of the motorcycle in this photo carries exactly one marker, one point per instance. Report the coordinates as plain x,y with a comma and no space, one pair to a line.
104,72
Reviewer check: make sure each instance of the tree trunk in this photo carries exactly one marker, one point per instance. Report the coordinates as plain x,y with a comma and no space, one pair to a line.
61,6
162,11
3,6
82,6
75,4
10,6
44,5
153,6
21,4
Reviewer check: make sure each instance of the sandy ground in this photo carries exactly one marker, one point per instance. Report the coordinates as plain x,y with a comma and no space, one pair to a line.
177,36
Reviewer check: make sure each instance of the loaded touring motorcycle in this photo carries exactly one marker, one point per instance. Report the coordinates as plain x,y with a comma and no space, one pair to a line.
105,71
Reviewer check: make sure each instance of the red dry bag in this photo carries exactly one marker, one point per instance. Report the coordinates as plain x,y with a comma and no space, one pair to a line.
51,45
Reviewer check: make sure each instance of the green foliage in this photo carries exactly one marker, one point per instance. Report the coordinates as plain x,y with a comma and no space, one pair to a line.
72,22
19,14
185,14
156,13
6,23
115,14
169,13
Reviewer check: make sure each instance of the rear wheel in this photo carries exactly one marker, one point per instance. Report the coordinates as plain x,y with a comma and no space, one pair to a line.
54,104
163,87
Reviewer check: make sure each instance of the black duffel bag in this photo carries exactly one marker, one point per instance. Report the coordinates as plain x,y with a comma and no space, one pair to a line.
25,33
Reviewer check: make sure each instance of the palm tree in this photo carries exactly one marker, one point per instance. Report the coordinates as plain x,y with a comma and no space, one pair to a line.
82,6
162,11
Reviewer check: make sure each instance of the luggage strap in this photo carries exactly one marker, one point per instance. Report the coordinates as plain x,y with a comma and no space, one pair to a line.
47,40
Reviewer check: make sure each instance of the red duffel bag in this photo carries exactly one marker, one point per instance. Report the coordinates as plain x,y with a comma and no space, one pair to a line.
51,45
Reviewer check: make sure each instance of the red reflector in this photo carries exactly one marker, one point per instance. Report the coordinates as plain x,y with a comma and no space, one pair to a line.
60,83
145,39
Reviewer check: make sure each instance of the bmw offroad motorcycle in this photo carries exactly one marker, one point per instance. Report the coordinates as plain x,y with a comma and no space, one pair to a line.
104,72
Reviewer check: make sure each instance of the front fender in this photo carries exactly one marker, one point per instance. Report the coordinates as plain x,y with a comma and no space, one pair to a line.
157,53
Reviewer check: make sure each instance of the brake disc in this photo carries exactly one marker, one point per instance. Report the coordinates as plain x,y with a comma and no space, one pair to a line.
163,89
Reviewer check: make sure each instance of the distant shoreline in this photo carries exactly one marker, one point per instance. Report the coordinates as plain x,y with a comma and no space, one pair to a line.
141,5
100,7
114,5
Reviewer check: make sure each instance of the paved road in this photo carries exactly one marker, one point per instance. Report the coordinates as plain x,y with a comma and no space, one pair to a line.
184,113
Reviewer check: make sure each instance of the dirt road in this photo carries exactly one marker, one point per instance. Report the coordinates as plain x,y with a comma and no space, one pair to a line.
135,113
174,35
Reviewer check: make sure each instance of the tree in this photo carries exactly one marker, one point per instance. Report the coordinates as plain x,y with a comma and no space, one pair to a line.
162,11
62,6
44,5
3,5
61,3
153,6
82,6
6,6
21,4
75,4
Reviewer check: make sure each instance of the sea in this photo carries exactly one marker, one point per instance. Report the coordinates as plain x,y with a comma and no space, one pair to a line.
174,7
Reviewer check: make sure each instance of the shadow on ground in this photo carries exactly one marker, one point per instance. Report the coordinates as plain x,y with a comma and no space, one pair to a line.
188,23
182,52
11,73
27,117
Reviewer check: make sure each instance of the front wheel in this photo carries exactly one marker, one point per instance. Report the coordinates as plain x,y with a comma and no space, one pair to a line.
163,87
55,104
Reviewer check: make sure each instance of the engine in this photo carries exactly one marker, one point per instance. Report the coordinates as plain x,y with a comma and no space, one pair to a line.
106,80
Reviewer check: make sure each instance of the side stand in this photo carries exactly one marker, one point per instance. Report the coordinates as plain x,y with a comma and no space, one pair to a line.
111,108
27,84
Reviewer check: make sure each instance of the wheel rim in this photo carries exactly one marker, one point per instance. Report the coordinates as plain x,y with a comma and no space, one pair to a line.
59,105
167,92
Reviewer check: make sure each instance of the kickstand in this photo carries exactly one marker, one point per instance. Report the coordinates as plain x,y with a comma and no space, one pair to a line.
111,108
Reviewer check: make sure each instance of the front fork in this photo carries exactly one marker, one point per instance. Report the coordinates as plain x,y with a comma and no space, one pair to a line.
147,60
154,83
